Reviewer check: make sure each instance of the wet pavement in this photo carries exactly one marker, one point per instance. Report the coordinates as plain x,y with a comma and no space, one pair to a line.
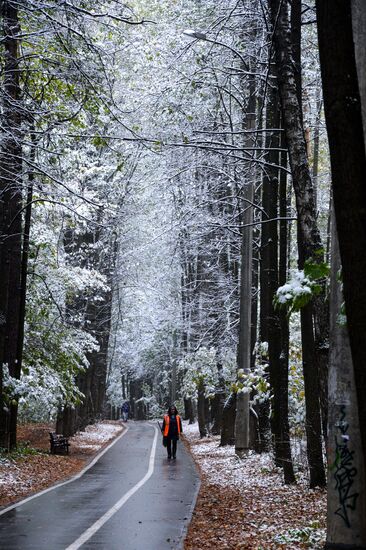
153,518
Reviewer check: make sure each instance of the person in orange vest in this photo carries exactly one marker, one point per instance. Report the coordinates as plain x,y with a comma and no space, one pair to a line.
172,428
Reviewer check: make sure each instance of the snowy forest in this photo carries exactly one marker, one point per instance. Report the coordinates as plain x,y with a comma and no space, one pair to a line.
183,221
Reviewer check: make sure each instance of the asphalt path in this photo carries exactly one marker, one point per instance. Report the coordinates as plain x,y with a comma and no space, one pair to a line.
132,498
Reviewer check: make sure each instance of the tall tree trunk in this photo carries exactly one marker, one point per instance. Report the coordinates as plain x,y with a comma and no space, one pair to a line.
343,113
321,325
309,243
346,527
25,255
244,346
10,214
284,445
296,8
359,39
315,169
269,320
259,417
22,293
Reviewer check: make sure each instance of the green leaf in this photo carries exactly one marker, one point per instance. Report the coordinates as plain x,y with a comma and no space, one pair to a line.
315,270
99,142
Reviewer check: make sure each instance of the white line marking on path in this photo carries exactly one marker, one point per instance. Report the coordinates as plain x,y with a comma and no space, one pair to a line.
101,521
74,478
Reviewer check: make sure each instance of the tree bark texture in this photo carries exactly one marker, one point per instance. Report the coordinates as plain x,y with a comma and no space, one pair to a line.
218,402
296,8
137,408
346,500
254,434
22,296
65,422
202,423
245,323
309,243
188,410
343,112
10,214
269,319
284,445
242,424
259,422
359,39
228,421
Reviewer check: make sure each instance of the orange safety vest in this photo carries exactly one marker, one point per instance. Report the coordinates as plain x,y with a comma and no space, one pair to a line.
166,424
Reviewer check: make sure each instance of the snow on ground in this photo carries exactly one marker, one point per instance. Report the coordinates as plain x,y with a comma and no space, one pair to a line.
24,474
275,515
223,467
95,436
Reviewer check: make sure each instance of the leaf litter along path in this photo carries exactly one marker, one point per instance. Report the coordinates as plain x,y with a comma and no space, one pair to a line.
244,504
27,474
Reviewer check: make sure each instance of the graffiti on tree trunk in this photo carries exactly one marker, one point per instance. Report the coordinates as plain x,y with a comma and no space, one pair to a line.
344,470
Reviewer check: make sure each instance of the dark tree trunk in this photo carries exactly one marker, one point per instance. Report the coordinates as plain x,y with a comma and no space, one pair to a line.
244,350
217,407
202,422
346,529
228,421
66,422
188,410
275,324
10,214
284,445
309,243
321,330
208,417
312,403
263,411
124,395
296,7
269,322
254,435
22,296
218,403
315,169
25,255
255,282
136,406
343,113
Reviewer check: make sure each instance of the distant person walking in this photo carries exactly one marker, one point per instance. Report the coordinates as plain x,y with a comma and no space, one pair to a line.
125,411
172,428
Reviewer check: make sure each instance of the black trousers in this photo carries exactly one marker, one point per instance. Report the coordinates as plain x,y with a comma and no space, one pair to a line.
169,446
